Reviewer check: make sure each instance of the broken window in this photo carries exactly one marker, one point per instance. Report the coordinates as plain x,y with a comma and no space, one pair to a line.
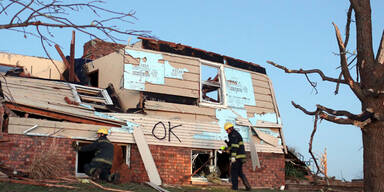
202,164
92,96
211,90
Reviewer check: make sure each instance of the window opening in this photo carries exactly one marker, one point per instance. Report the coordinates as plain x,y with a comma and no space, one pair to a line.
94,78
127,154
202,164
211,84
82,159
223,164
86,157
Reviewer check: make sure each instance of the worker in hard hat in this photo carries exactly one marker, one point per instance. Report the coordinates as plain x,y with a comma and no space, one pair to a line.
237,152
101,164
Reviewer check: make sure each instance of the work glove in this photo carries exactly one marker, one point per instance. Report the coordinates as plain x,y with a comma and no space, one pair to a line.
233,159
226,142
75,146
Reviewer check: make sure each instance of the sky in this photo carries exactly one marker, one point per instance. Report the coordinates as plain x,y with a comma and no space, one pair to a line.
296,34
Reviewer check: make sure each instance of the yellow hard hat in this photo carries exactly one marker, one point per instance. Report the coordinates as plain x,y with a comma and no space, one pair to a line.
227,125
103,131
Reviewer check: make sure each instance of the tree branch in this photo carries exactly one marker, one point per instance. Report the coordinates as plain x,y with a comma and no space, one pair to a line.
347,26
355,87
301,71
310,145
332,115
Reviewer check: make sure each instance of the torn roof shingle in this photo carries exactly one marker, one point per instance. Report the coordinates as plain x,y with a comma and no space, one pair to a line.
47,98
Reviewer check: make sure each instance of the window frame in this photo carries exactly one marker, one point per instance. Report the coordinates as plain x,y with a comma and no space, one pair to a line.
127,157
77,94
222,96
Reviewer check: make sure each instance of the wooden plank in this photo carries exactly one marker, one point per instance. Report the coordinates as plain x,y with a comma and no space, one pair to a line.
263,104
186,92
180,108
88,91
252,147
274,99
90,98
259,76
56,115
171,115
266,137
261,90
283,141
23,80
34,87
262,97
258,83
181,59
186,132
158,188
191,77
146,156
194,85
191,68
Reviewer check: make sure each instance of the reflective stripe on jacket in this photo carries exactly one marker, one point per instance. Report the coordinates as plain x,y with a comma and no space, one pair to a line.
103,149
236,145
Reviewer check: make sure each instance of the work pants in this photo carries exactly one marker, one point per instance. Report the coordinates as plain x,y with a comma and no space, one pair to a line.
104,169
237,171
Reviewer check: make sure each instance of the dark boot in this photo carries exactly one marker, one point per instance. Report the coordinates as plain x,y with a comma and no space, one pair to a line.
96,174
245,182
114,178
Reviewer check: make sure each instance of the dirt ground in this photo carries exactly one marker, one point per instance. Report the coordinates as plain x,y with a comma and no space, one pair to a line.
12,187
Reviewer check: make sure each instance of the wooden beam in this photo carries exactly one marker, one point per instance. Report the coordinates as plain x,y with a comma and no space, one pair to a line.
54,115
65,61
146,156
72,59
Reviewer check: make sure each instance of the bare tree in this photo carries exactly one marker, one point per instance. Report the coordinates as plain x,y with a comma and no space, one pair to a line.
37,18
368,86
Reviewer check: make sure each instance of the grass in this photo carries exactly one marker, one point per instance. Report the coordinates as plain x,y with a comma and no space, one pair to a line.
11,187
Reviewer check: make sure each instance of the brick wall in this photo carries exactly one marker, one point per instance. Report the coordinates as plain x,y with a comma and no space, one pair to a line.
173,163
174,166
19,150
270,174
96,48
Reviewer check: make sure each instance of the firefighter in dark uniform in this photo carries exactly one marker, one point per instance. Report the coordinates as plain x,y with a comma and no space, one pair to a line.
101,164
238,157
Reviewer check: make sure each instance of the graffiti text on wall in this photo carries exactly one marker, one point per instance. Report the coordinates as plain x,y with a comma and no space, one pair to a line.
162,136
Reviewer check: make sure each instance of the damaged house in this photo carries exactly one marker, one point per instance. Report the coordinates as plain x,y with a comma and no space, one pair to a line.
164,105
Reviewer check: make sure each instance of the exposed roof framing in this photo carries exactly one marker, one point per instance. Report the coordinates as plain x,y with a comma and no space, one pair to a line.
180,49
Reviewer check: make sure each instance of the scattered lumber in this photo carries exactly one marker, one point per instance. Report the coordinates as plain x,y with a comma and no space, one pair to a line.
106,188
33,182
158,188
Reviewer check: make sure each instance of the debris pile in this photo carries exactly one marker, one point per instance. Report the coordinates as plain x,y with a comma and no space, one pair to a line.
47,164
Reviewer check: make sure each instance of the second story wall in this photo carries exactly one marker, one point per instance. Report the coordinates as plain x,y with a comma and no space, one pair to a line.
183,88
35,66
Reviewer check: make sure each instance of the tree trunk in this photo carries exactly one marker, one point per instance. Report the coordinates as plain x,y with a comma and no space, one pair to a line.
373,142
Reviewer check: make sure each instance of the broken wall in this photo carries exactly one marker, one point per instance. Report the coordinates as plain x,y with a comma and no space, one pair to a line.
248,95
35,66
